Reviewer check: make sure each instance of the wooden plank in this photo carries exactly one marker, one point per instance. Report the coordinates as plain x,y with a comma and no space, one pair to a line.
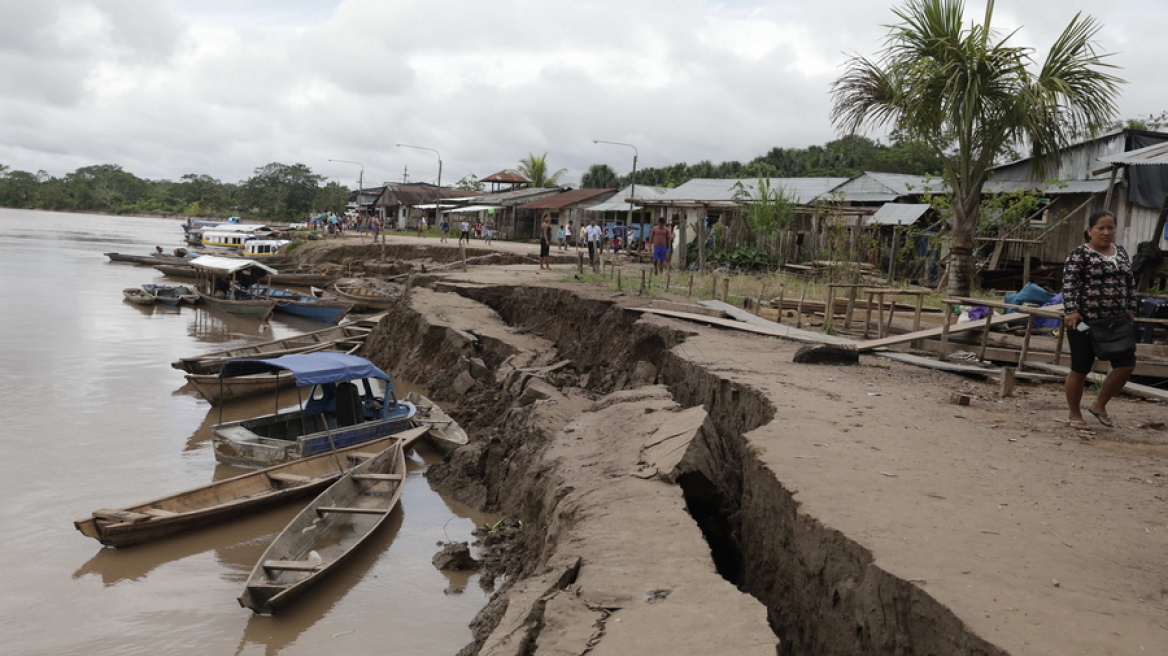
352,511
120,515
1135,389
292,565
936,332
777,329
958,368
159,512
289,478
364,455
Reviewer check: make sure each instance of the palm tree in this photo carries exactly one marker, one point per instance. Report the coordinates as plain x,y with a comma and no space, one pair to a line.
972,99
600,176
536,169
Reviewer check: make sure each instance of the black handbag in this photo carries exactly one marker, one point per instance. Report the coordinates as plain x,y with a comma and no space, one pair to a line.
1112,337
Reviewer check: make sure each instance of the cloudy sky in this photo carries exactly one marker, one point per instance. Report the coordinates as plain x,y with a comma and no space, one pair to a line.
168,87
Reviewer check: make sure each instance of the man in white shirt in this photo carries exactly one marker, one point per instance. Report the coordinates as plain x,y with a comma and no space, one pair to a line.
592,235
465,225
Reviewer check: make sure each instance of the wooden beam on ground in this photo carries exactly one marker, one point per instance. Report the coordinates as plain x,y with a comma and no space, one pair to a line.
1133,389
997,319
796,334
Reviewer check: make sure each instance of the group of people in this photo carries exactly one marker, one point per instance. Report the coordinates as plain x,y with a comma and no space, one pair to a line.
466,229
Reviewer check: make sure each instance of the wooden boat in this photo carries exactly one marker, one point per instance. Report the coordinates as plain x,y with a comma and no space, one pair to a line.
445,433
138,296
172,294
123,257
351,401
297,304
327,531
301,279
365,296
176,270
346,337
230,498
222,283
216,389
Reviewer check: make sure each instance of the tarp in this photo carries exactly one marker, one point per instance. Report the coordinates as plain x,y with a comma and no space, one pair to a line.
1147,185
309,368
227,264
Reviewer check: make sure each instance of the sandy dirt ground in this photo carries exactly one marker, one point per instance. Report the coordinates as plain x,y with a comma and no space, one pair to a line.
1039,539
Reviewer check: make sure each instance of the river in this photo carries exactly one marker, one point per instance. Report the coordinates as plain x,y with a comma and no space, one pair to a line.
94,417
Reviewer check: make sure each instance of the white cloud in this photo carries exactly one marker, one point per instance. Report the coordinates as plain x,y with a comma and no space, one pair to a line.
212,86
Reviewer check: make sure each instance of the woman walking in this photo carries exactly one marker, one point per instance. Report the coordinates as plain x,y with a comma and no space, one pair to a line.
1097,284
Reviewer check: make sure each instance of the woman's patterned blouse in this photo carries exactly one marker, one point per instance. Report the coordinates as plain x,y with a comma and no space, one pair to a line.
1097,288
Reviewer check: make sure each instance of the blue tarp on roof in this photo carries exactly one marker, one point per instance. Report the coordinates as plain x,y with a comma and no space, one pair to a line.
309,368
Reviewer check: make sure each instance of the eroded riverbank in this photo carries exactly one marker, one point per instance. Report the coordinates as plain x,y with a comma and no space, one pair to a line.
860,512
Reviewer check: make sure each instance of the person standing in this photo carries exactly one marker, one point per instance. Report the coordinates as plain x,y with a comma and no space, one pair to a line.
445,226
465,232
569,236
545,243
422,227
660,237
560,238
1097,284
489,229
592,236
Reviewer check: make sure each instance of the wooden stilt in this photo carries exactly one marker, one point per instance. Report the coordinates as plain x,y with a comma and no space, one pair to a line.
779,319
985,335
799,309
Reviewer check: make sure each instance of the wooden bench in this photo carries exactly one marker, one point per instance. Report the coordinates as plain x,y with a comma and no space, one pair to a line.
120,515
289,478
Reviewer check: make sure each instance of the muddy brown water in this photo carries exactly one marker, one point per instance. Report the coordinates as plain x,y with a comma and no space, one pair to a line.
93,416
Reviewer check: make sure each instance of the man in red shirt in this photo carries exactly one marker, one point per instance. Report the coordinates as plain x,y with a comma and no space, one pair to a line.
660,237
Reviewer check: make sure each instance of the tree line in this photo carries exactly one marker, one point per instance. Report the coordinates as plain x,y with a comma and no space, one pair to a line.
274,191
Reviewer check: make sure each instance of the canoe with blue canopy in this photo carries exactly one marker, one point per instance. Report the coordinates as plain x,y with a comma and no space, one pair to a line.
309,368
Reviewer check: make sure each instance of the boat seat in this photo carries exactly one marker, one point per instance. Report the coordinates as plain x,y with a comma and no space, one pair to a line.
293,565
120,515
352,511
348,403
288,478
159,512
364,455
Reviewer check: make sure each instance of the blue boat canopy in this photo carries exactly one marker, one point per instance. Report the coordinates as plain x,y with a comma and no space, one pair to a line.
309,368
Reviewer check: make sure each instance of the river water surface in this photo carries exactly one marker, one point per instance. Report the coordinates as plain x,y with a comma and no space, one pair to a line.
93,416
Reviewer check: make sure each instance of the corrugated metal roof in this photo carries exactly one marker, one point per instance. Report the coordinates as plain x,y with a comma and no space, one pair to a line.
227,265
899,213
800,190
1151,155
518,196
1055,188
506,175
417,194
560,201
645,193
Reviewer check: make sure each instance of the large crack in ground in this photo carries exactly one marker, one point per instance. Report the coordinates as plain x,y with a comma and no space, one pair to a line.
521,403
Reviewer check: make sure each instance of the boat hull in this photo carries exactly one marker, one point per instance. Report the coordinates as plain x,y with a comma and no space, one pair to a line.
326,532
365,297
444,433
326,311
228,499
138,296
260,308
233,444
218,390
340,337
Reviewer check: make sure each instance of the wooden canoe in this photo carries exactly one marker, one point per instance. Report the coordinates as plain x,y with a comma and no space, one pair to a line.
365,296
176,270
327,531
342,338
445,433
230,498
138,296
218,390
260,308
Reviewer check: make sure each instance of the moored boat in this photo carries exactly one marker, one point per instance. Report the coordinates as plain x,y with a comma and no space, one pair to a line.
138,296
342,338
216,389
302,305
229,498
365,296
172,294
444,433
351,402
222,283
176,270
326,532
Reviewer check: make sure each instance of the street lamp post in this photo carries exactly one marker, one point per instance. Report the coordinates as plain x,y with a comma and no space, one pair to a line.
431,150
360,180
632,186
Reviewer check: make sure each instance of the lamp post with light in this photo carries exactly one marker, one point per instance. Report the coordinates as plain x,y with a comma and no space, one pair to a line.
632,186
431,150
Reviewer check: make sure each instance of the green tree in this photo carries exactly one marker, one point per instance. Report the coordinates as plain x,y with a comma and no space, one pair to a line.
281,191
971,96
600,176
469,182
535,168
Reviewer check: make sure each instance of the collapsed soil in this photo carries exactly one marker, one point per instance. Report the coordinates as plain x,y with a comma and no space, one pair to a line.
819,510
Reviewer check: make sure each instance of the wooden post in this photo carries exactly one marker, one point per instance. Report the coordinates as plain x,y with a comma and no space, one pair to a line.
643,286
1058,346
726,290
462,249
689,289
868,313
618,281
829,310
714,287
702,245
891,311
880,315
945,329
1025,342
782,291
580,262
799,309
758,301
1026,265
916,343
985,335
668,271
849,311
892,254
1007,386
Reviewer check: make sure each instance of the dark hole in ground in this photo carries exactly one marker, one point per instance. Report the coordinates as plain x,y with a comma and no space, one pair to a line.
708,508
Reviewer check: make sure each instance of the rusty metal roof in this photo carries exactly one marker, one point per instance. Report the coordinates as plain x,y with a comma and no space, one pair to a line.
507,176
1149,155
560,201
